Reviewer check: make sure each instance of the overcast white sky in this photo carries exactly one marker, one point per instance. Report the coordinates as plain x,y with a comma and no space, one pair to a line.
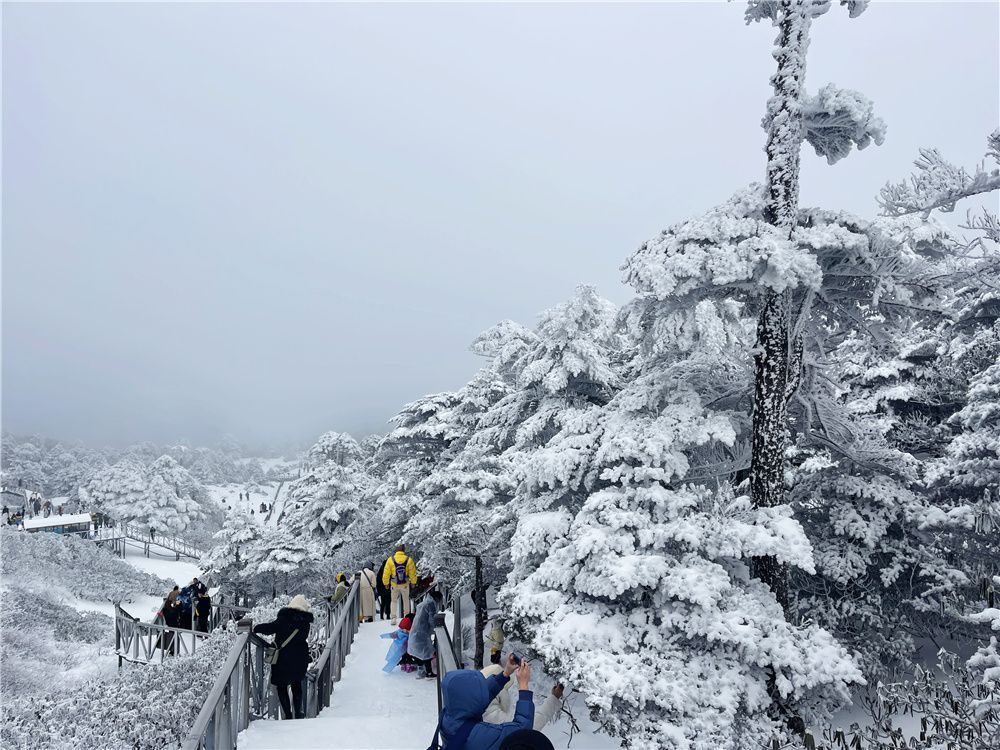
272,221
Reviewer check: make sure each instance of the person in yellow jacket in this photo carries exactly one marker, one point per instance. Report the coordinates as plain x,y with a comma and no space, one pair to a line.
399,571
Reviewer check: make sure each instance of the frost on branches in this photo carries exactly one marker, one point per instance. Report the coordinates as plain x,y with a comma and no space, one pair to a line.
235,545
163,496
146,706
631,576
327,497
48,644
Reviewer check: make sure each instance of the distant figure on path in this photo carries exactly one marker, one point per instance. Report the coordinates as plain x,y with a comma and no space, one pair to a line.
382,594
290,631
341,591
399,573
367,578
152,534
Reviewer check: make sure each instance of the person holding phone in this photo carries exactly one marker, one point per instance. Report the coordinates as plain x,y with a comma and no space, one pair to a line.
501,709
467,693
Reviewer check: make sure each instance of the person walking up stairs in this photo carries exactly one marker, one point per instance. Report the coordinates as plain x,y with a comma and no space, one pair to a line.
400,573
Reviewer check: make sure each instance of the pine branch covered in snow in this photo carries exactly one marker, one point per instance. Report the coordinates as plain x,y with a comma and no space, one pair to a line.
940,185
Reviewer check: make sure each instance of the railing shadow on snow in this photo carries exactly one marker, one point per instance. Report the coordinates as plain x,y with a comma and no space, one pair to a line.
242,691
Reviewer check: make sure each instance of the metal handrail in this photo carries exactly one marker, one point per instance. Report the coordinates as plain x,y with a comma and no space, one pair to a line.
221,612
448,652
329,667
137,641
241,692
172,543
131,531
226,711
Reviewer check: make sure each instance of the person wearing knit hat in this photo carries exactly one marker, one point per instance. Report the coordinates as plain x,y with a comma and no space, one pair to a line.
527,739
291,633
396,655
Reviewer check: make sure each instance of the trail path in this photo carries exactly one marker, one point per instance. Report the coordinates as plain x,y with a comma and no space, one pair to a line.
370,709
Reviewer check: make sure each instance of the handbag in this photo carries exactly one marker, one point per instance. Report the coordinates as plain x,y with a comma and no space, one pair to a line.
272,652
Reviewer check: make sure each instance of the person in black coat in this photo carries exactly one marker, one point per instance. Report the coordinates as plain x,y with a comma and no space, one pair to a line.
293,657
382,594
202,612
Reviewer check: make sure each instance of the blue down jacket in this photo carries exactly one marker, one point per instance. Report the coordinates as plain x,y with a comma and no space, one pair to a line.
467,694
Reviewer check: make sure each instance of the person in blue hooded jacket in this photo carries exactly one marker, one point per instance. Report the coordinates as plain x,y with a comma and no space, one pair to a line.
466,695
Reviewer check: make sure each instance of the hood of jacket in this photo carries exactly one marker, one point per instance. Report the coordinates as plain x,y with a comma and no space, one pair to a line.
465,697
295,616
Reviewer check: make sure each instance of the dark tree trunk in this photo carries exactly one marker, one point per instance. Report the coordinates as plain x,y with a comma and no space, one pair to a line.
774,382
768,446
481,612
778,358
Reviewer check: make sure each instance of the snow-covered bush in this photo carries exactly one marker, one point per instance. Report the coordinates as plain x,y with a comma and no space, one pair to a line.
80,567
146,707
47,645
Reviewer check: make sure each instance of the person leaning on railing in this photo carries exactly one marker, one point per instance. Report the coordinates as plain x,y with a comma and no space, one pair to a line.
291,633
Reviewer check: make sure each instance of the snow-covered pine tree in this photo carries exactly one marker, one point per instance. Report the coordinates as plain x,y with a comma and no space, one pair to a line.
163,497
423,430
464,516
632,577
461,521
283,558
327,499
964,476
228,560
333,447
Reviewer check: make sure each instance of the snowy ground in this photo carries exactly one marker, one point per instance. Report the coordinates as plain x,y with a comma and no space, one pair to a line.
372,710
229,496
161,563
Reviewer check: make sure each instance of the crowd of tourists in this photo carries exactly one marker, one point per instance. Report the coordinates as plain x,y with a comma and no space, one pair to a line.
189,608
489,709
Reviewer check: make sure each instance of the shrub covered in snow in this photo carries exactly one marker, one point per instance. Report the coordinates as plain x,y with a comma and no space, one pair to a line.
146,707
84,569
47,644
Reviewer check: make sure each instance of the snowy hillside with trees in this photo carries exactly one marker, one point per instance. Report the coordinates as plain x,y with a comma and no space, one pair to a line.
752,505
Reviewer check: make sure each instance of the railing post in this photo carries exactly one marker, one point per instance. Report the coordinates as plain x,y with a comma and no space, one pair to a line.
459,647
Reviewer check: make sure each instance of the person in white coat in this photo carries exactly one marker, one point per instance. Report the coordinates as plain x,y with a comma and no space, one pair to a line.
368,581
501,709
